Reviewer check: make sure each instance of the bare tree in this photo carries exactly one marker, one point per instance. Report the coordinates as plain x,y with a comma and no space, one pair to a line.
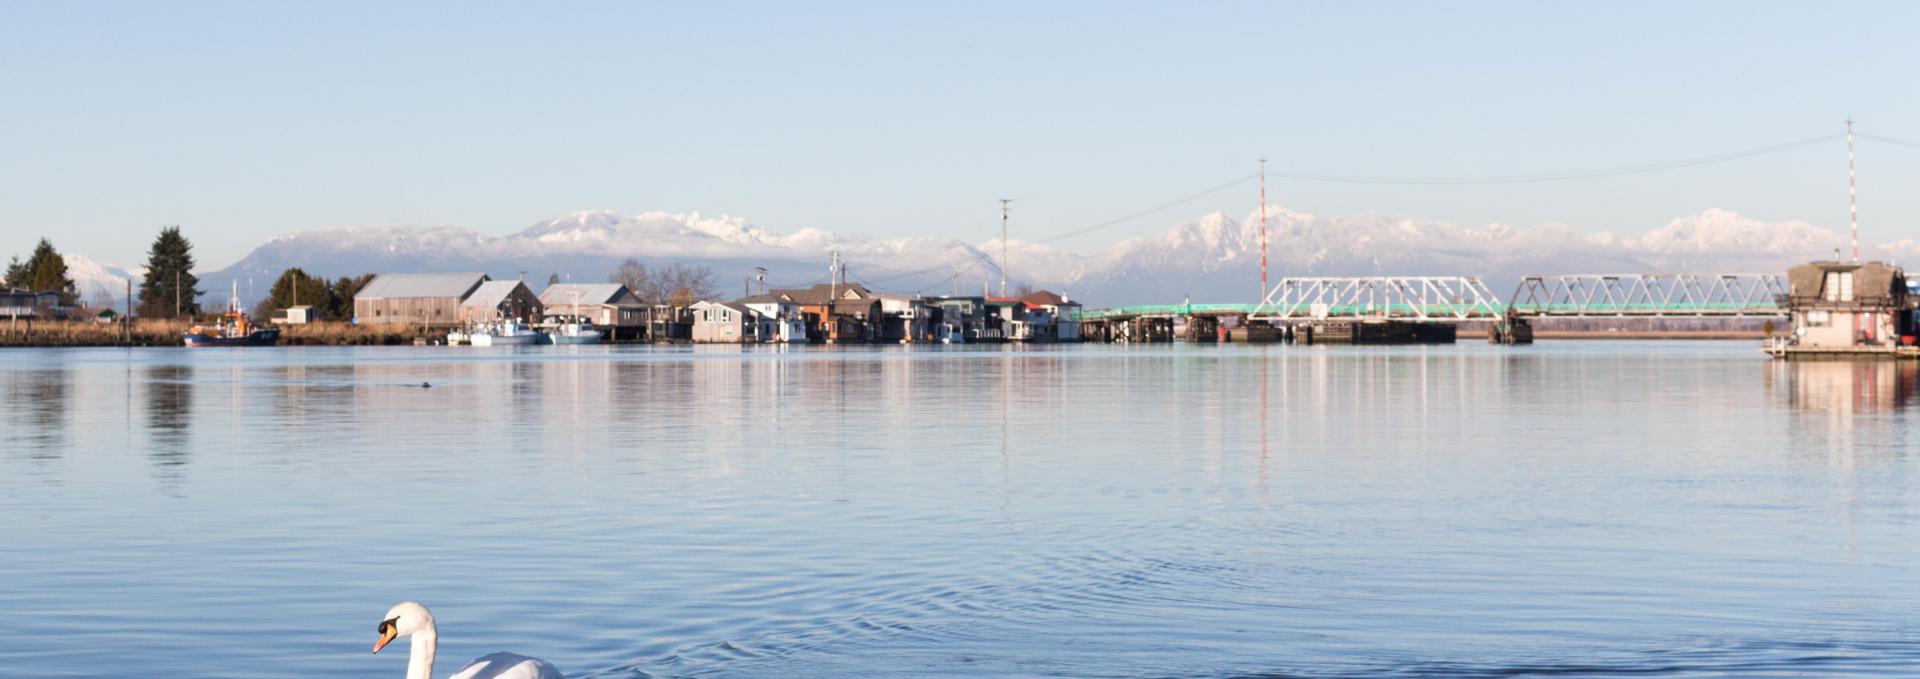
672,284
681,284
101,298
635,276
1023,289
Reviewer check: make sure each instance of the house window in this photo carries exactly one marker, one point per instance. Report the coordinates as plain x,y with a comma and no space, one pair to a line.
1839,286
1818,319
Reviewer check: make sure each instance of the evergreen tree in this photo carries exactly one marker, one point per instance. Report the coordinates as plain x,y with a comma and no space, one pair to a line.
342,295
47,270
170,280
295,287
17,273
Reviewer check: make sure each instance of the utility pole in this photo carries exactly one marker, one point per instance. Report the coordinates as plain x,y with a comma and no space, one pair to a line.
1853,197
1003,245
176,293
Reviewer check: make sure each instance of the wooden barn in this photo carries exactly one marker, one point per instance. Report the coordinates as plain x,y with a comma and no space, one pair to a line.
496,301
423,299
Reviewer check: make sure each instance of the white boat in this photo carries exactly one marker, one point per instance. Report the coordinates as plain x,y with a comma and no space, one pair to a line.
574,333
503,335
572,329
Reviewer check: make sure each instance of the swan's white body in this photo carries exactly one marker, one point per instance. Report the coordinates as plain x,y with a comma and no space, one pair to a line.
409,619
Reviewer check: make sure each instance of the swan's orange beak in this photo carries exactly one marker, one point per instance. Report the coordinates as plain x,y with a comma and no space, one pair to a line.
387,633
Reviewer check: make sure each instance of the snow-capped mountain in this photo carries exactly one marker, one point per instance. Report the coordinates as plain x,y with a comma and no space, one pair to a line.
1211,258
97,282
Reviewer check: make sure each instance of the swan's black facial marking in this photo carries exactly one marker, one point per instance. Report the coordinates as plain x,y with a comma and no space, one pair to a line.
386,625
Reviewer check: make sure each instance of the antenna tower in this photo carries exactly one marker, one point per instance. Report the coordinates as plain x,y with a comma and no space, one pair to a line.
1263,227
1003,245
1853,195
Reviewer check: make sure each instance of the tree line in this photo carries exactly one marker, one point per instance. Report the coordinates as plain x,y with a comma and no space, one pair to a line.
169,289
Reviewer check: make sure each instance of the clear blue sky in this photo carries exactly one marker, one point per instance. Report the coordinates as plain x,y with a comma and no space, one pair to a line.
243,120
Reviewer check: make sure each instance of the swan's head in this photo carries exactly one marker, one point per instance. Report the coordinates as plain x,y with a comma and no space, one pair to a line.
404,619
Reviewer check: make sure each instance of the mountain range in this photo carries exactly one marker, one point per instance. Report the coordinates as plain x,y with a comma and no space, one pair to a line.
1212,258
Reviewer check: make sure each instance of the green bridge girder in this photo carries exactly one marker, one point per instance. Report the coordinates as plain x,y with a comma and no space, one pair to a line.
1448,311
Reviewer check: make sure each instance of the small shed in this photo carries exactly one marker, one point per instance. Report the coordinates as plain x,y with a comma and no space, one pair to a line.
496,301
299,314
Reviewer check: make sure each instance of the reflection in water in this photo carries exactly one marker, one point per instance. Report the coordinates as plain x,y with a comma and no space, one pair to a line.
170,419
1573,508
38,399
1849,387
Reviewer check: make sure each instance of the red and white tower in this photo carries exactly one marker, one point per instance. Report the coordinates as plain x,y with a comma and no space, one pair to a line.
1853,194
1263,227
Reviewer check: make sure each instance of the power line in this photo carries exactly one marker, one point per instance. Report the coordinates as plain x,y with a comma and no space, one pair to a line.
1111,222
1889,140
1593,173
974,257
1567,175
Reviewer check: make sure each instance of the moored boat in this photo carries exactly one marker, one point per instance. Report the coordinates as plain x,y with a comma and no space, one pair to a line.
233,329
574,333
503,335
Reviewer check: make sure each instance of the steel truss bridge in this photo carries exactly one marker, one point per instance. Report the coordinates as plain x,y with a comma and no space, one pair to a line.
1447,299
1651,295
1404,298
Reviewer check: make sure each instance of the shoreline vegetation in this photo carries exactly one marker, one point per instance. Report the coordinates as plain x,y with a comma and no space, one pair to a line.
167,333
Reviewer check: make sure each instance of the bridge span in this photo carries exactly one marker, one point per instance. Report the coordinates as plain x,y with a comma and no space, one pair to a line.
1294,304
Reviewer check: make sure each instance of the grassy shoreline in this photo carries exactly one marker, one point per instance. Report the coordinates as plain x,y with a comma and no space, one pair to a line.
159,333
167,333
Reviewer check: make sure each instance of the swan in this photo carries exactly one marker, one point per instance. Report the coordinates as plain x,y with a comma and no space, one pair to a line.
412,619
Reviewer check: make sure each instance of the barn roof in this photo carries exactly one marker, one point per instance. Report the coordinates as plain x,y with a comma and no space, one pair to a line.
403,285
492,293
561,294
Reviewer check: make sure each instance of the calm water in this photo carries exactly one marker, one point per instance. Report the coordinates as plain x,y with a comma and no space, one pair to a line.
1604,509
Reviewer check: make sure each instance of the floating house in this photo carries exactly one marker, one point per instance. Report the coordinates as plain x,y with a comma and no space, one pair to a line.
610,306
1840,309
424,299
790,324
1064,312
836,313
1023,321
965,319
730,323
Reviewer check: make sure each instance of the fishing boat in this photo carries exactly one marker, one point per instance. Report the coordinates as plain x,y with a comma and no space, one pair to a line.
504,334
572,329
232,330
573,332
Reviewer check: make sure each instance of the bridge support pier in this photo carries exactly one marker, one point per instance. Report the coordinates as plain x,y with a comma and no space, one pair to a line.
1203,329
1511,331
